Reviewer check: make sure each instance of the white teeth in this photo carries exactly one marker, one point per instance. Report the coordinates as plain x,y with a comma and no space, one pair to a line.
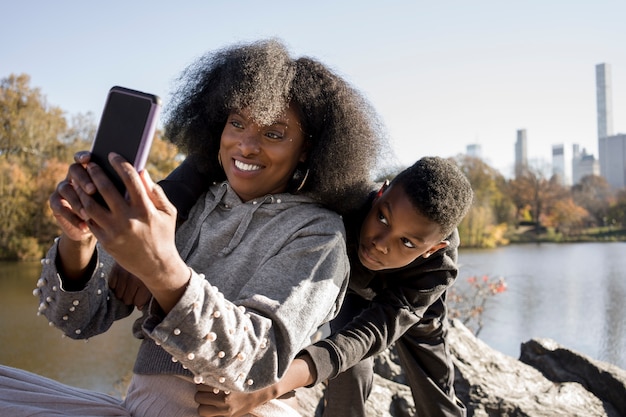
246,167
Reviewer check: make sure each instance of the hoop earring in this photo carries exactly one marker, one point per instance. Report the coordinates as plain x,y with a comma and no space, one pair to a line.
306,175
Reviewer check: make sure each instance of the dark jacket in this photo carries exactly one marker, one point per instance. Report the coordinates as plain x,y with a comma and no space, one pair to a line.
409,299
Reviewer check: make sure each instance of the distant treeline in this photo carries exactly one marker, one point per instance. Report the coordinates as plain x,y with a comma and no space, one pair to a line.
37,143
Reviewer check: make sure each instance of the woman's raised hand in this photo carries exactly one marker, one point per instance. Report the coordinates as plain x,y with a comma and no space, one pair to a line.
65,203
138,231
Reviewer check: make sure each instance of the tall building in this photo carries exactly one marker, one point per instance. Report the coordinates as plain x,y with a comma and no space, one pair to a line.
474,150
604,101
583,164
521,154
611,148
559,167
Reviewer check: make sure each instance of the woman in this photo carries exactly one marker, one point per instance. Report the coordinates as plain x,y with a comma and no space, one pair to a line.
233,286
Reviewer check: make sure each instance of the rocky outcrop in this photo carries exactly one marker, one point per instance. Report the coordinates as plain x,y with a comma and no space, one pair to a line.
605,381
548,380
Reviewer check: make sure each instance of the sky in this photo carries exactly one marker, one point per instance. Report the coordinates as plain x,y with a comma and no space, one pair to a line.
442,75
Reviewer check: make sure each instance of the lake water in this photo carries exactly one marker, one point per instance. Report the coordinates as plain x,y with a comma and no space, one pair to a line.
574,294
28,342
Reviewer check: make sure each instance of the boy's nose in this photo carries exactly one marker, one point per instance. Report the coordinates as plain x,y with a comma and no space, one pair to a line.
380,245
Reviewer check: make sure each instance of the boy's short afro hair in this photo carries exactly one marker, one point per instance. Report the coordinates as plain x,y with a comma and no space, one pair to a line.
439,190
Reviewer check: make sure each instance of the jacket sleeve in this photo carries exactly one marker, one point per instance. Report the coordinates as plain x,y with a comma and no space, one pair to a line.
79,314
283,304
412,298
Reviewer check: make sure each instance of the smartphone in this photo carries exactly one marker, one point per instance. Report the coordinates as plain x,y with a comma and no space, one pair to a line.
127,127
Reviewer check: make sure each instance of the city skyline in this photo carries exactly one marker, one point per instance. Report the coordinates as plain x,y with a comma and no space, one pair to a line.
441,75
572,165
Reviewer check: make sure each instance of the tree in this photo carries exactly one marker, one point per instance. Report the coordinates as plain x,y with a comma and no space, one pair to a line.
616,214
29,127
492,209
16,208
532,189
566,217
77,137
164,157
594,194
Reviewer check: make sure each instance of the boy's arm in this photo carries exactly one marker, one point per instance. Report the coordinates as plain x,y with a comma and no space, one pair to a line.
301,373
414,297
389,316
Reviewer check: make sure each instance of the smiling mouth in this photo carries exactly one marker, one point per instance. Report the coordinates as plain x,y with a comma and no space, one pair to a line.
246,167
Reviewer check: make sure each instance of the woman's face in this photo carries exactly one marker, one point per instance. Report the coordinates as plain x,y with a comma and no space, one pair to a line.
260,160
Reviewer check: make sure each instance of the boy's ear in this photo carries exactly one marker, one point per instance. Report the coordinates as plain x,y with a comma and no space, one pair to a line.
435,248
382,189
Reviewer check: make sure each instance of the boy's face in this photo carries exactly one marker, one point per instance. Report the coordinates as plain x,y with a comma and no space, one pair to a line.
394,234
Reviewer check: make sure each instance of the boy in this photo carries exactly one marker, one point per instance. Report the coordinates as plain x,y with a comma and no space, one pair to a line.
403,250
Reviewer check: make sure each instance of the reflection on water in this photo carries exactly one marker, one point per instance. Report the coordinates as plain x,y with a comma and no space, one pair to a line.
28,342
571,293
574,294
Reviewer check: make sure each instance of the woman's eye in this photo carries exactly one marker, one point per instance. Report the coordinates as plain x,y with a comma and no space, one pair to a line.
408,243
274,135
237,124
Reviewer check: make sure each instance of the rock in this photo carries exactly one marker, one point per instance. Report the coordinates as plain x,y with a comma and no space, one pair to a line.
549,380
558,364
493,384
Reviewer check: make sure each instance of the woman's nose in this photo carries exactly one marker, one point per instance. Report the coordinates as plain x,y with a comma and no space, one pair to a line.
250,143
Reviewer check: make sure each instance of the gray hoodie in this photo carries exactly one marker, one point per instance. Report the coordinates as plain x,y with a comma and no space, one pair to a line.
265,275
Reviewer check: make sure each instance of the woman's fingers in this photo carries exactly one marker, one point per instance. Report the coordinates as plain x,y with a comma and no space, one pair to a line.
80,177
157,195
105,187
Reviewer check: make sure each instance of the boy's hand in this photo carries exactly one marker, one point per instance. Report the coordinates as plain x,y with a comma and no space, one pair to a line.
128,287
234,404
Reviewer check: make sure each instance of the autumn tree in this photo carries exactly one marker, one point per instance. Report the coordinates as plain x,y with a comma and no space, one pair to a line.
164,157
566,217
594,194
30,131
616,214
29,127
492,210
37,144
531,189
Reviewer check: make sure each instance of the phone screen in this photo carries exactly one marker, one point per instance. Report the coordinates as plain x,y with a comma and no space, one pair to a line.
126,127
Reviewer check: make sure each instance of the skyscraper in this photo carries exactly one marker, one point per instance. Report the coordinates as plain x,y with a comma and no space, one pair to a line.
583,164
474,150
521,156
604,100
559,168
611,148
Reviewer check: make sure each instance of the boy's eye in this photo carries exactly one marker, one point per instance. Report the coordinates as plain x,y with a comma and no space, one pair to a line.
406,242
